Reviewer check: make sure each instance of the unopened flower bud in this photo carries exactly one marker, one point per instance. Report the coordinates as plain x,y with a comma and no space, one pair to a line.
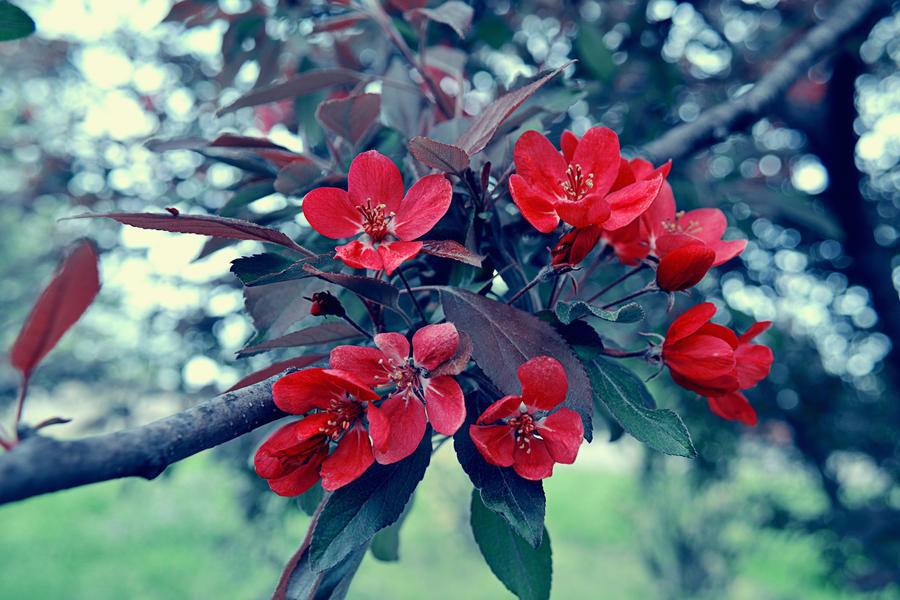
324,303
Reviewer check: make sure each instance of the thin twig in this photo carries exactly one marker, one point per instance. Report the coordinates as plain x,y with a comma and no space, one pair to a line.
412,296
640,292
617,281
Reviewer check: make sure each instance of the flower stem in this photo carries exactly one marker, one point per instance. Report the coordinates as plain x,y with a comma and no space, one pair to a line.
617,281
527,287
23,391
356,326
623,354
412,296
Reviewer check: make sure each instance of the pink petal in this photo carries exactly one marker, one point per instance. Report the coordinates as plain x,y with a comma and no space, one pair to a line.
359,255
700,357
312,425
753,364
642,169
534,204
734,407
268,460
330,213
660,212
573,247
496,443
690,321
362,362
393,254
506,406
350,459
434,344
374,179
563,432
593,209
567,143
624,177
395,347
630,202
598,154
711,387
444,403
422,207
379,427
302,477
707,224
303,391
670,242
544,384
719,331
539,164
533,462
407,418
755,329
726,250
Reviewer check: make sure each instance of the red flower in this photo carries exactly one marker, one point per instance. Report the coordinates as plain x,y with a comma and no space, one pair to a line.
711,360
527,439
375,206
296,455
578,186
390,363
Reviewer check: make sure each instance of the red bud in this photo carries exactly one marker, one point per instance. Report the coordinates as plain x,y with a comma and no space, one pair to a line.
684,267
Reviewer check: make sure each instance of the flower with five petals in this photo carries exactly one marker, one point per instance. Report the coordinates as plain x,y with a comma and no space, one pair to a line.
518,432
374,206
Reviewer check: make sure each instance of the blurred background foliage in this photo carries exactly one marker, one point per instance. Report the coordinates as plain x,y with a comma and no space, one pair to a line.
806,504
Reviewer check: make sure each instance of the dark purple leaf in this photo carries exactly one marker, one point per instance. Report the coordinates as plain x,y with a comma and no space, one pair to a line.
452,250
298,85
457,15
505,337
263,374
296,178
322,333
350,117
445,157
275,307
230,140
369,288
485,125
71,291
223,227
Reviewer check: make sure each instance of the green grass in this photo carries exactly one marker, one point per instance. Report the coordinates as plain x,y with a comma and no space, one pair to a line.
185,536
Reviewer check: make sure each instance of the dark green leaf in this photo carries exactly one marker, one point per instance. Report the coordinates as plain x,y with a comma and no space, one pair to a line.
309,500
386,543
505,337
568,312
624,395
304,583
355,512
593,53
519,501
14,22
525,571
277,306
292,271
369,288
253,267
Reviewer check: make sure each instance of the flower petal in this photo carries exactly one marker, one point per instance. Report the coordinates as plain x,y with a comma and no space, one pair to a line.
269,458
630,202
711,387
690,321
330,213
302,477
533,461
539,164
393,254
359,255
755,329
375,179
535,205
303,391
753,364
362,362
422,207
434,344
407,418
593,209
567,143
734,407
395,347
700,357
350,459
496,443
726,250
563,432
685,267
719,331
379,427
544,384
506,406
707,224
444,403
598,154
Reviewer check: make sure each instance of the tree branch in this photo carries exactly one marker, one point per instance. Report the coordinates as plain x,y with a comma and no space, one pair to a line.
41,464
736,113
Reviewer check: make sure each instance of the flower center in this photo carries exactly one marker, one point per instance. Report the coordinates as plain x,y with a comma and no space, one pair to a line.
375,221
525,428
576,184
302,453
690,228
344,412
403,375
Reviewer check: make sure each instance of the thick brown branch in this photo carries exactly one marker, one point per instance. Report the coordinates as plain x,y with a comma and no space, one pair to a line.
736,113
42,464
